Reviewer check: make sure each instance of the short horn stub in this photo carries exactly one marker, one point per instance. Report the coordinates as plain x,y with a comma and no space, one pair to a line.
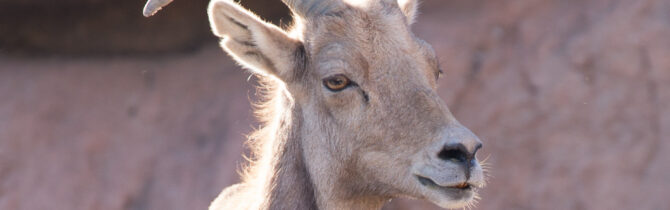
153,6
312,7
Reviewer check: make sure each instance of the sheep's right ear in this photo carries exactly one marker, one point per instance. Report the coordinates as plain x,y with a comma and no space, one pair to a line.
409,8
260,46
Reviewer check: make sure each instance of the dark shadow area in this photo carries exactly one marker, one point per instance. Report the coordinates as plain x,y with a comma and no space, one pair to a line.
93,27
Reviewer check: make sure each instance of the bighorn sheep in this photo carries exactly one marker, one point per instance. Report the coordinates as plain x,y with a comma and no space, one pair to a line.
352,117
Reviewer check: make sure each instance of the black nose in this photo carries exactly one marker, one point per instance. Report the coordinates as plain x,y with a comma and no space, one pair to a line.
459,154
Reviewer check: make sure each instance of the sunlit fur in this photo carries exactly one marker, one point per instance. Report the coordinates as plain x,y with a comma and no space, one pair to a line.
351,149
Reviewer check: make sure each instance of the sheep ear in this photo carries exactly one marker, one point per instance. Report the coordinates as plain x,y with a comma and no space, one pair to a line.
409,8
255,44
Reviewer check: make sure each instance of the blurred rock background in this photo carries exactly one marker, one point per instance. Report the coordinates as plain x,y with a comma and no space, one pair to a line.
101,108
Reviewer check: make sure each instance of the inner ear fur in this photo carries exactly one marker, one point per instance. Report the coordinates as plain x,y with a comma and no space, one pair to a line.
257,45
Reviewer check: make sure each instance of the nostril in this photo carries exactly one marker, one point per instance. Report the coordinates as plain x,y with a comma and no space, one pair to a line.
453,153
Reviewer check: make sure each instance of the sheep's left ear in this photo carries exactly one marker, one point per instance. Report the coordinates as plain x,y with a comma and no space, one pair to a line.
409,8
260,46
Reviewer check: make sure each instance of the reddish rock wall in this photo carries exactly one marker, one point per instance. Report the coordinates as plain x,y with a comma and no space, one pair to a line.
570,97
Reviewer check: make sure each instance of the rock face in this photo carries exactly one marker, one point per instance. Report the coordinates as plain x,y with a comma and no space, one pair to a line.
571,99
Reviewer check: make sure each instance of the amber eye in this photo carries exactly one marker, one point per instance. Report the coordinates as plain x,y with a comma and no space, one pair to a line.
336,83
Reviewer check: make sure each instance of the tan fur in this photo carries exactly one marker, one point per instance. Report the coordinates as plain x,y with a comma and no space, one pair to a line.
351,149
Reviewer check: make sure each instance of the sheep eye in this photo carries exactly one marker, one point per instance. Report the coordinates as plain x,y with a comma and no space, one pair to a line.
336,83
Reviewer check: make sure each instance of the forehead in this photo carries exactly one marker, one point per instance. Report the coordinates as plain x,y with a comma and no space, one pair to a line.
362,39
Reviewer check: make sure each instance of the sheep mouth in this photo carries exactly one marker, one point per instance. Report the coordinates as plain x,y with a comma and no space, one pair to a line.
463,186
